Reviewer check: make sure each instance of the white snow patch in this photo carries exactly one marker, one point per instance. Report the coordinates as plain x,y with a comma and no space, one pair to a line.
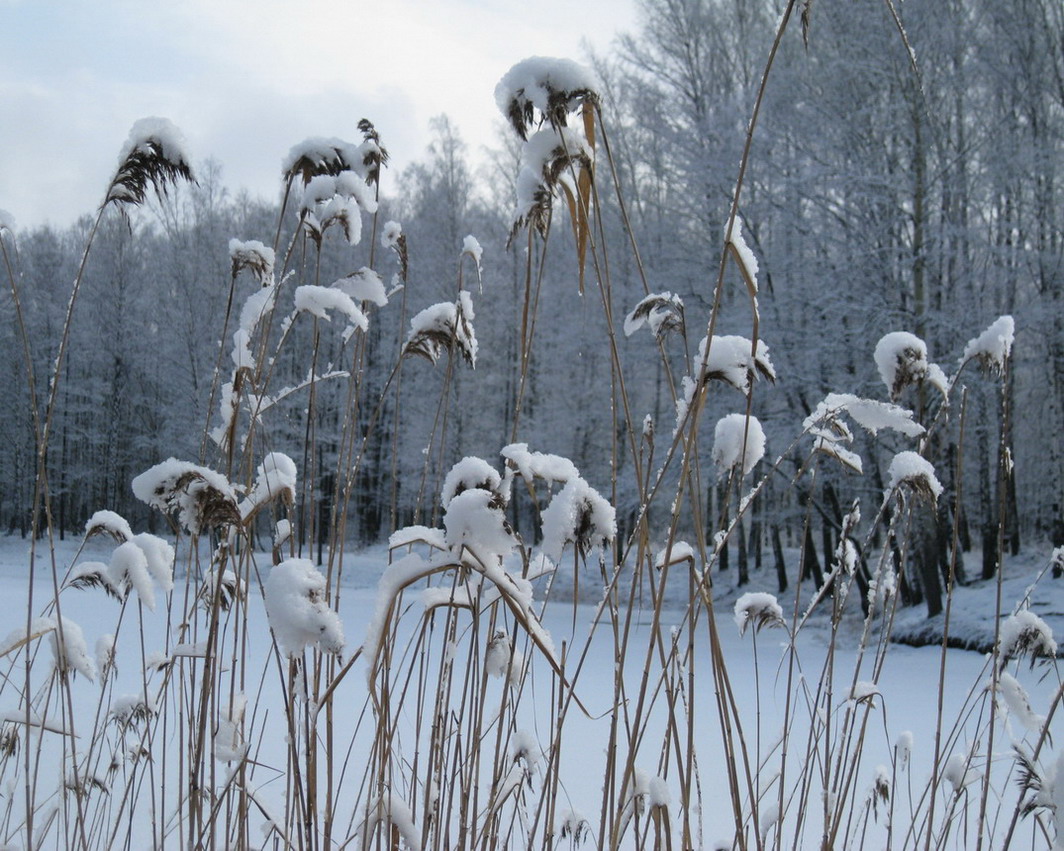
901,359
994,345
578,515
738,441
297,610
913,469
758,608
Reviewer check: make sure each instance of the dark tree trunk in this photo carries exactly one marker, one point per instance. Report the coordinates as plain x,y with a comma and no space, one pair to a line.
781,565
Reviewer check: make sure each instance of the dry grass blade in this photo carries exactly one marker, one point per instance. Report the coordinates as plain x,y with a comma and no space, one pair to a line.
93,576
806,17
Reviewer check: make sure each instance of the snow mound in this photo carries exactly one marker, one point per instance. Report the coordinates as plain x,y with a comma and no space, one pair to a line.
993,347
297,610
738,442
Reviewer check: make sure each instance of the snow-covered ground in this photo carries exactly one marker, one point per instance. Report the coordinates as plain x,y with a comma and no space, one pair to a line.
907,684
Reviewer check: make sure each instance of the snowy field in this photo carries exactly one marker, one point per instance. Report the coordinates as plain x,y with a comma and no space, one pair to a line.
901,718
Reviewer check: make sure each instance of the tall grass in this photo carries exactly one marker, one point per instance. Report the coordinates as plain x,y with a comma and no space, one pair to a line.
226,707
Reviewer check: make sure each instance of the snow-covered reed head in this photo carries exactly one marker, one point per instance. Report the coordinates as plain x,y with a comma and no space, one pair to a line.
993,347
915,473
1024,633
757,609
541,89
469,473
374,154
203,498
446,326
153,156
661,312
253,256
901,359
550,160
316,156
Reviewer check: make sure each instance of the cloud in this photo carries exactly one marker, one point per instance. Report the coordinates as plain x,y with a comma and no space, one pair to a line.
246,80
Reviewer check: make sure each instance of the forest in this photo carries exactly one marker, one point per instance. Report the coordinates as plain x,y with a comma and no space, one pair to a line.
882,195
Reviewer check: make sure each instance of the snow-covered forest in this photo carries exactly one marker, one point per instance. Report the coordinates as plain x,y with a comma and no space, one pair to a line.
878,199
772,288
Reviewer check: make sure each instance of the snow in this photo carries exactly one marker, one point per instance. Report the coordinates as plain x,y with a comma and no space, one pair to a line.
255,307
197,493
914,470
843,455
69,649
108,522
229,744
870,414
532,465
907,683
735,361
660,311
390,234
472,248
658,794
363,285
253,255
544,83
159,558
410,535
549,156
1025,632
474,520
993,347
129,568
160,133
438,325
738,442
470,472
745,255
297,611
678,552
504,661
901,359
1018,703
959,773
758,608
393,809
275,477
7,221
578,515
318,301
321,155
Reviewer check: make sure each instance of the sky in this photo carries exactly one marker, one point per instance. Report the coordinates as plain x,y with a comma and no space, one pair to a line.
245,80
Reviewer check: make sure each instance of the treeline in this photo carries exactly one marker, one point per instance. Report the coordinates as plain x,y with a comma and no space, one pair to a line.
887,190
